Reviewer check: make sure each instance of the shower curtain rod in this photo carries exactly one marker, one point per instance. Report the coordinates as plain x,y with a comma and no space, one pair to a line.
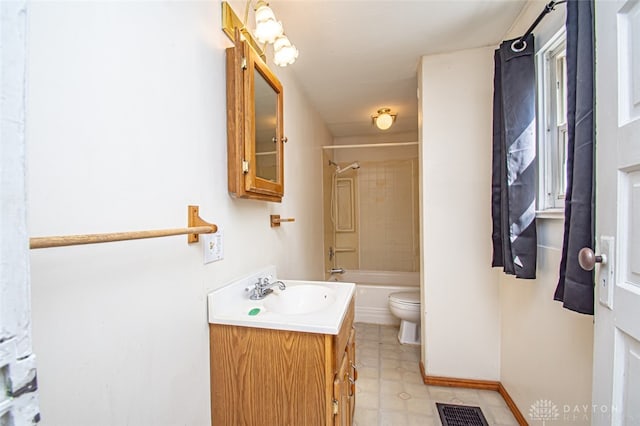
370,145
550,7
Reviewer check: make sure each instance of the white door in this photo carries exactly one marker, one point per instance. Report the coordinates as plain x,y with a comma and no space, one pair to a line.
18,396
616,385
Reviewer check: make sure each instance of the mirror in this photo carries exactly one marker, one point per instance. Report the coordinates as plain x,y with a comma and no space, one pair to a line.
266,134
254,126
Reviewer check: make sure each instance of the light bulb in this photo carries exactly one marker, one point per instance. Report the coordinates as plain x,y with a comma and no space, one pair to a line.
384,121
264,13
284,52
267,28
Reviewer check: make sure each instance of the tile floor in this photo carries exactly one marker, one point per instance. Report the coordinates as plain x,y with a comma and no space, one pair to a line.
390,391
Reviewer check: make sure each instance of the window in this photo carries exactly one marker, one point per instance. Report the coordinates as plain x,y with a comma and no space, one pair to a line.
552,123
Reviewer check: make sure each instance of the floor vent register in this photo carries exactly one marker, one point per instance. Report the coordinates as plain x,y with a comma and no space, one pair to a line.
461,415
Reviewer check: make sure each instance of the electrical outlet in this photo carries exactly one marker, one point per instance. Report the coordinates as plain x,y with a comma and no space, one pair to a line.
213,246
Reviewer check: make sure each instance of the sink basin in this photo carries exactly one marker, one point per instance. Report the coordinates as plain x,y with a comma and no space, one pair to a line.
300,299
307,306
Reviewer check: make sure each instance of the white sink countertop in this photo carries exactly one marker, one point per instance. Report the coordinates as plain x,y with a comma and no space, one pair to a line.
231,305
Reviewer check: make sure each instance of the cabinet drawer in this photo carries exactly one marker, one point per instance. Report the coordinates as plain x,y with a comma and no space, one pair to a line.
340,342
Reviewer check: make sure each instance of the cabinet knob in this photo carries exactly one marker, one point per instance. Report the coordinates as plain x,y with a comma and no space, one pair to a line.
588,259
285,139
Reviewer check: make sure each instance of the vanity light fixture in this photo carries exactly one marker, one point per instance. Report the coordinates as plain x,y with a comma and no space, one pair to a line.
384,119
285,53
267,27
268,30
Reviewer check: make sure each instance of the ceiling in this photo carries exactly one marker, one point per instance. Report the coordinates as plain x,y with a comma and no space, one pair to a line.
358,56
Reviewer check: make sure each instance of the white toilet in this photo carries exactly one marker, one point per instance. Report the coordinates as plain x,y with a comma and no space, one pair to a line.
406,306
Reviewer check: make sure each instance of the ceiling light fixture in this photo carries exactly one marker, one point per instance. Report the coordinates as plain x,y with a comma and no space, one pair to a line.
384,119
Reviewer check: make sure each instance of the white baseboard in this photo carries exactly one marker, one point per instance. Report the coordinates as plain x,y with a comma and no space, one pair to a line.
371,315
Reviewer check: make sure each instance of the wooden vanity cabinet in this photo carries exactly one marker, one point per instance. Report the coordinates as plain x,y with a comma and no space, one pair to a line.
275,377
344,385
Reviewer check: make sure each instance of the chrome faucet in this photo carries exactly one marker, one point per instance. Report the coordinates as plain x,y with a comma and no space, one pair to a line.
263,288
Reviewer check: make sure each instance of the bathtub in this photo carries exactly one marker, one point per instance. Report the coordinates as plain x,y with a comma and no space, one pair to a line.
372,293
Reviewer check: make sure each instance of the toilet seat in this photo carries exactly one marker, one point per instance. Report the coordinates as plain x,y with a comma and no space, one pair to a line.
406,298
406,306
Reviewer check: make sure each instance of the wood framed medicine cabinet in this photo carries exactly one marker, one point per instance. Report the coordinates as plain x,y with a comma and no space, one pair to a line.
255,139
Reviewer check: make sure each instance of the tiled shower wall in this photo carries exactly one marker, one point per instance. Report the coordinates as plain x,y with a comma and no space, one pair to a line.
388,215
386,210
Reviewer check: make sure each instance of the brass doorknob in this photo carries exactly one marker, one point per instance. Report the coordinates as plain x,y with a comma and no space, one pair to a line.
588,259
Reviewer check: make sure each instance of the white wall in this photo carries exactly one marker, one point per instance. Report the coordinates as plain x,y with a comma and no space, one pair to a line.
542,351
546,350
126,127
380,137
461,324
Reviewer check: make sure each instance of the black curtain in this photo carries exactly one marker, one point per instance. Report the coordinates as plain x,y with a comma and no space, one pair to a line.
576,286
513,191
